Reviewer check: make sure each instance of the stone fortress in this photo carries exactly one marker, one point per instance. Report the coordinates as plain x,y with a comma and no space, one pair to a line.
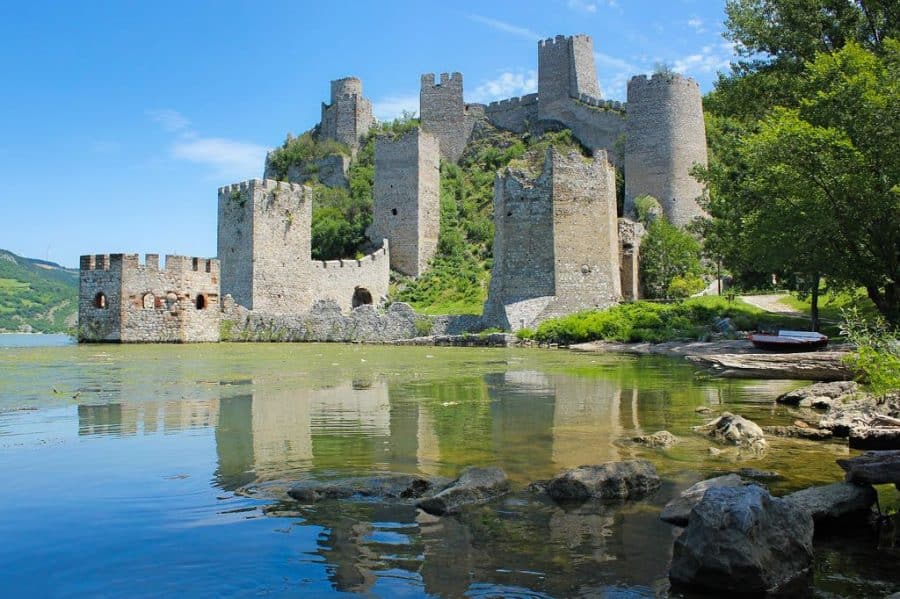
559,244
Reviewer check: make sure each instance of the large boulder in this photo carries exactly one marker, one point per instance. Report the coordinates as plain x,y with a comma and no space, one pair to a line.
659,439
633,479
743,540
678,510
816,395
474,485
873,467
735,430
798,432
829,502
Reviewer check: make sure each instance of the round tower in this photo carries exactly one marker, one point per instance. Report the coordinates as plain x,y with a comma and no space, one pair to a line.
350,86
665,138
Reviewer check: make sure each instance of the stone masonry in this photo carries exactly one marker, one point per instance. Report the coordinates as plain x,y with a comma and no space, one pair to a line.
666,137
349,116
556,247
444,113
265,245
407,199
121,300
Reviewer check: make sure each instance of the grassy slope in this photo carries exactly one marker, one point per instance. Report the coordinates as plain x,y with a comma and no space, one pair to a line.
38,293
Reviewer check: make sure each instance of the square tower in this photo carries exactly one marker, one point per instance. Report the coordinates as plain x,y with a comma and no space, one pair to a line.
407,210
264,245
349,116
565,70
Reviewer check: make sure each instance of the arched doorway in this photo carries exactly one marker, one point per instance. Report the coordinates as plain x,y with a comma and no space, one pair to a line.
361,297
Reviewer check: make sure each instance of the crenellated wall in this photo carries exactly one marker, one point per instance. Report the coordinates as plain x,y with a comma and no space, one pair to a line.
665,138
406,208
348,117
565,70
352,283
513,114
145,303
444,113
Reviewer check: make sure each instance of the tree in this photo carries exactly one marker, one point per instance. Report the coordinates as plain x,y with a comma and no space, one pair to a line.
670,261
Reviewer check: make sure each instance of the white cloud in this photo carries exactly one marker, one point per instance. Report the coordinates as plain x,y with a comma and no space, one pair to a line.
709,60
392,107
506,85
611,62
171,120
583,6
697,25
230,159
506,27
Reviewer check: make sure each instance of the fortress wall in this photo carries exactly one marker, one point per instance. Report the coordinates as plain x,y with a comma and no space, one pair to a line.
514,114
100,274
344,280
630,234
565,70
665,137
264,245
444,113
406,206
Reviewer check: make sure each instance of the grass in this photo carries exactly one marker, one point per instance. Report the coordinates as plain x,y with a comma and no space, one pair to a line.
692,319
832,304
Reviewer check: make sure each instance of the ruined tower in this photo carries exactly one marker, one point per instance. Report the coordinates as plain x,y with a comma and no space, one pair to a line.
264,244
444,113
406,207
556,247
565,70
665,138
349,116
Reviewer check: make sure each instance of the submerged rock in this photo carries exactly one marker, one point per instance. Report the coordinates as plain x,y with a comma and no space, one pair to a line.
759,474
743,540
798,432
399,486
819,392
679,509
661,439
873,467
735,430
614,480
834,501
474,485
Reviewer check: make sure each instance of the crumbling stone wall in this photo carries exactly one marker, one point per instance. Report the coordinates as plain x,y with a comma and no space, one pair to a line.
630,235
146,303
406,206
444,113
555,241
349,116
331,171
351,283
665,138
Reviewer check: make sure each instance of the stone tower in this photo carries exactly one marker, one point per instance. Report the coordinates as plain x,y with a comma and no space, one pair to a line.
665,138
565,70
349,116
264,244
406,208
556,247
444,113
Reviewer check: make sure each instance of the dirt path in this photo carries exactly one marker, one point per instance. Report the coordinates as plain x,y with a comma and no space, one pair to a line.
771,303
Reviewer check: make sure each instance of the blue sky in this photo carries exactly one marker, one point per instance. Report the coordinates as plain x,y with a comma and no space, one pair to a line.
120,119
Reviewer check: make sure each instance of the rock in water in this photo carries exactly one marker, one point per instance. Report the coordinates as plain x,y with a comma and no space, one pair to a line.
662,439
614,480
873,467
741,539
819,391
679,509
834,501
399,486
474,485
736,430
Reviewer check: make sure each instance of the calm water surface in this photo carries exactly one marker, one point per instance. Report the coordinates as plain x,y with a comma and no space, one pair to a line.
124,468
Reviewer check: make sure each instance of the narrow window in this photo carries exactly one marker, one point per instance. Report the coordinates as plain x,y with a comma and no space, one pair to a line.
100,300
201,301
148,301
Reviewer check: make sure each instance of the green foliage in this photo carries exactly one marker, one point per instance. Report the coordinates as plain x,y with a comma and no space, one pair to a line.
654,322
525,333
876,359
667,254
40,294
339,222
424,325
295,151
647,208
684,286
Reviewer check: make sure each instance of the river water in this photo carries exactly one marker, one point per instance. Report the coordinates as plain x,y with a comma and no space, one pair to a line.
123,468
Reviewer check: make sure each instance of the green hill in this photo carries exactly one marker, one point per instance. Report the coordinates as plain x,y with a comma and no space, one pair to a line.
37,294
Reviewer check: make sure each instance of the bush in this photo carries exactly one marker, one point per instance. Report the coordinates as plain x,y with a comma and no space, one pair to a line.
667,254
876,359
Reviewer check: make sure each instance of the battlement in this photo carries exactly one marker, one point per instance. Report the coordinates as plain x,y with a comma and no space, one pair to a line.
264,184
660,79
368,259
602,104
132,262
454,79
345,88
564,39
510,103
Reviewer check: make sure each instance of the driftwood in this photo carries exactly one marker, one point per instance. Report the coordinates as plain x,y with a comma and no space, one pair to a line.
813,366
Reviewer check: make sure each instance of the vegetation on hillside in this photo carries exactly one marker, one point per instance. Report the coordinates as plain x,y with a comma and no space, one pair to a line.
36,294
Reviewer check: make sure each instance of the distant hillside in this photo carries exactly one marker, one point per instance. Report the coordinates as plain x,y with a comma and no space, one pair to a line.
37,294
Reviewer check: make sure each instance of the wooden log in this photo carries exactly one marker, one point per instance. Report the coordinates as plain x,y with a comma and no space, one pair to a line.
812,366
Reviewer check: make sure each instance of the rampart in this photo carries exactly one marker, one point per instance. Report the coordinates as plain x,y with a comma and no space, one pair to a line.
665,138
406,206
444,113
514,114
348,117
565,70
125,301
542,265
353,283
